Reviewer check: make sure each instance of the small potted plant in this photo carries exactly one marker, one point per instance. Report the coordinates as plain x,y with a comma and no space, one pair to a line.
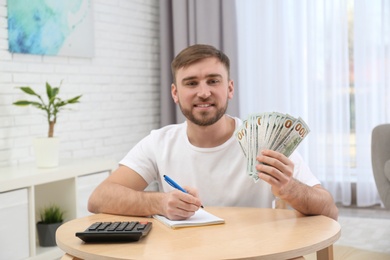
47,148
51,217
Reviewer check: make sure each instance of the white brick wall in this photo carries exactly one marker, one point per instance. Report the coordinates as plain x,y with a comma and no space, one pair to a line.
120,86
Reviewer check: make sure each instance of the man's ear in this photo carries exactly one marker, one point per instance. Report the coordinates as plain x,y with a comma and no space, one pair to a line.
174,93
230,89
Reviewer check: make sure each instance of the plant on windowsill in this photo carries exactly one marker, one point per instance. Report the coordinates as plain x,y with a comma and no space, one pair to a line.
47,149
51,217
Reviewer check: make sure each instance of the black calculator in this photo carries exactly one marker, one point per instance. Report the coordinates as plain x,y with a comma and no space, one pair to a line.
106,232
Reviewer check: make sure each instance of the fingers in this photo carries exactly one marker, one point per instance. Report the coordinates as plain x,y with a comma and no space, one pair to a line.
274,168
192,191
275,164
270,156
180,205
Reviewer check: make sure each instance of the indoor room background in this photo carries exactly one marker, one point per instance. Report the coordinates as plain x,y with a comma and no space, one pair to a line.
119,84
324,61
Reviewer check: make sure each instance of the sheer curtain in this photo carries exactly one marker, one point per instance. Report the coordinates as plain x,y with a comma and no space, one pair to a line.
372,86
293,58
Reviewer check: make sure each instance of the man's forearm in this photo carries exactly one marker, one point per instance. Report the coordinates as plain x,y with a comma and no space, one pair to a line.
310,200
116,199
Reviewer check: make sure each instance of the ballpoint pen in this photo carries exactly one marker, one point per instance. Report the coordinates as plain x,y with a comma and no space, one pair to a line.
175,185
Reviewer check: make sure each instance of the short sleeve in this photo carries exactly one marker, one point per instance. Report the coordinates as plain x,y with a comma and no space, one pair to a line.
141,159
302,171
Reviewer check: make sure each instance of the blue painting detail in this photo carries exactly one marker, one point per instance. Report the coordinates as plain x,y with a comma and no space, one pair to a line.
40,26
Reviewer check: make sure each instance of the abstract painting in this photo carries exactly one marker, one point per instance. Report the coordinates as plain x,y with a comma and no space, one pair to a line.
51,27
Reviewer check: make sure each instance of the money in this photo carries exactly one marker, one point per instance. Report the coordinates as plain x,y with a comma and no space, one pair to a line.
271,130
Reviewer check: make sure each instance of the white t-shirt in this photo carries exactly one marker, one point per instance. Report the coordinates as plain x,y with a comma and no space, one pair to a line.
219,173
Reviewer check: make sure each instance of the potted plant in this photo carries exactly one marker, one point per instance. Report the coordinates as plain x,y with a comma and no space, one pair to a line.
51,217
47,149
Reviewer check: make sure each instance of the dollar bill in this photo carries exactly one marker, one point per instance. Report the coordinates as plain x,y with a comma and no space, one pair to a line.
240,135
270,130
288,122
296,134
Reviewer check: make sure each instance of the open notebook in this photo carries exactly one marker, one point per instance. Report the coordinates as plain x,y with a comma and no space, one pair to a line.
200,218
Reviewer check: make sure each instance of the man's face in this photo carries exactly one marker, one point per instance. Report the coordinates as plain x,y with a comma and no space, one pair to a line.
202,91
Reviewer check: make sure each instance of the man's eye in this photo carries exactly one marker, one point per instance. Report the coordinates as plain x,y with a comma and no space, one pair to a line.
213,81
191,83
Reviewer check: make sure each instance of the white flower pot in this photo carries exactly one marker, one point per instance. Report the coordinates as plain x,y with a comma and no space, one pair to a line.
46,151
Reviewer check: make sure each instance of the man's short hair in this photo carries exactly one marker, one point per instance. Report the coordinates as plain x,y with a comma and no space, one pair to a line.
196,53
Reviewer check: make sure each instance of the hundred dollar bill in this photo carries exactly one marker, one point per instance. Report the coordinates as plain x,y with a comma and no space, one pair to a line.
241,136
285,128
274,121
297,133
262,120
277,128
253,144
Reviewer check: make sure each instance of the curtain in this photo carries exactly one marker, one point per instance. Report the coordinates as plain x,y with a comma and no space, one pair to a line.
293,58
187,22
372,87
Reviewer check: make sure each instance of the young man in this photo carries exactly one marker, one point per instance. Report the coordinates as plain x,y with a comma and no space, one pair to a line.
203,155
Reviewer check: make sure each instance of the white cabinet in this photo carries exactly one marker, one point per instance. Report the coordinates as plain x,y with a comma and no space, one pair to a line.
14,225
25,189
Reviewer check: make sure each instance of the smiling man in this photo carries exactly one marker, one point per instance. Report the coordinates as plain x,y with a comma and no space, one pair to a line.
203,155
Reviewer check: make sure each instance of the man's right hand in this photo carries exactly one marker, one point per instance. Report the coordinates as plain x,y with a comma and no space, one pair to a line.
178,205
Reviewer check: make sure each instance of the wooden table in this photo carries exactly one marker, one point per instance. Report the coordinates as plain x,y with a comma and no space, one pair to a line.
249,233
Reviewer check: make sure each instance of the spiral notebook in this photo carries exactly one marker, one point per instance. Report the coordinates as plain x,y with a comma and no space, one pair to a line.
200,218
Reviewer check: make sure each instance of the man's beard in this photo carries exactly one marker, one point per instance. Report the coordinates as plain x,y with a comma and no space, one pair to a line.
205,118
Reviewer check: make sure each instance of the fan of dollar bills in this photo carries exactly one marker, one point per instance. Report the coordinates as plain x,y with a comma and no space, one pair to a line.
276,131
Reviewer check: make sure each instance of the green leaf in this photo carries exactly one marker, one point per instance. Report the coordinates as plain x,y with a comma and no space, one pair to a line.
55,91
29,91
49,91
22,103
27,103
60,103
38,105
74,100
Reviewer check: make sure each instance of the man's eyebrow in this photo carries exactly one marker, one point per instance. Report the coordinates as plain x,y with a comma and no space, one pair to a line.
188,78
212,75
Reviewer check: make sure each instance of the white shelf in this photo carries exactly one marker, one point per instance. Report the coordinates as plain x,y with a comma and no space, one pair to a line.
16,177
64,185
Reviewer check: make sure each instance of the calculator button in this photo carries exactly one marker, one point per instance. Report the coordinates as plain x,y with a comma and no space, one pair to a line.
113,226
141,227
122,226
103,226
131,226
94,226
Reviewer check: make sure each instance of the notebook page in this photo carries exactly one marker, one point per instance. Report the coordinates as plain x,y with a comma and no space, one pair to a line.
200,218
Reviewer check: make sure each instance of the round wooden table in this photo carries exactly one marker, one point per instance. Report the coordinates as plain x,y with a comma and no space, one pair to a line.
249,233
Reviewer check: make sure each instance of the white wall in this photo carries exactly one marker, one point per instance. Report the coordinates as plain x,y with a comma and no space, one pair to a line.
120,86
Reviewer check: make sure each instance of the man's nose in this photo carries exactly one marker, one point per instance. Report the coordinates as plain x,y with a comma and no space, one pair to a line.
204,91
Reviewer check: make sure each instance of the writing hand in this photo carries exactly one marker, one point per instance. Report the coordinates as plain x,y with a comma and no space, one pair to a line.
179,205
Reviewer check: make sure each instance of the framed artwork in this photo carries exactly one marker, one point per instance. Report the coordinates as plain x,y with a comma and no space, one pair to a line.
51,27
